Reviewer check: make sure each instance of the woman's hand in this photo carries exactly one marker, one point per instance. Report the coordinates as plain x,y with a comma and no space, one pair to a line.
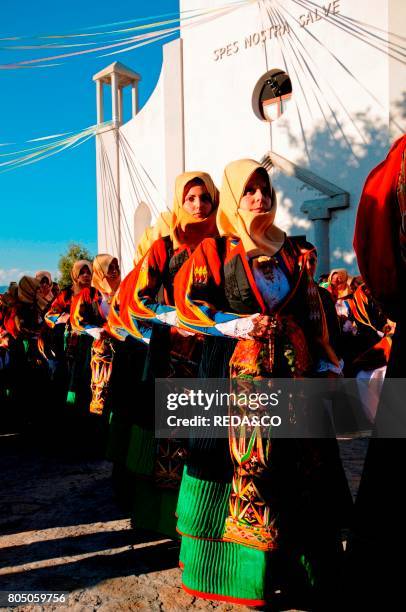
248,327
264,326
389,328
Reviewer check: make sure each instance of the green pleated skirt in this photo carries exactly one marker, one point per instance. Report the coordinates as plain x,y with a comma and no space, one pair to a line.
152,507
214,568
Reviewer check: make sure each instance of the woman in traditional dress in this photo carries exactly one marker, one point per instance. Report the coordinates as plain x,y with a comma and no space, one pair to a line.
81,275
379,534
9,305
4,362
89,312
46,286
147,305
9,349
362,325
24,322
261,521
60,342
129,358
149,297
338,283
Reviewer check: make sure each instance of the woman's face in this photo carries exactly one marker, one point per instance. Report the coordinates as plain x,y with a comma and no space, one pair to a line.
45,286
113,271
338,280
84,277
334,280
312,264
198,202
257,195
341,280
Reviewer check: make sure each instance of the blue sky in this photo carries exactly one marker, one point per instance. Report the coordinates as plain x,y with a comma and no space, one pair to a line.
46,205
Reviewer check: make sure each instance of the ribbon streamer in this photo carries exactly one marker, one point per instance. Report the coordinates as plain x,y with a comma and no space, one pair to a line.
33,155
150,37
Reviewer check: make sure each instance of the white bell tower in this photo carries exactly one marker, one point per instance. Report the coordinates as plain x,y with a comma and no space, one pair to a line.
109,206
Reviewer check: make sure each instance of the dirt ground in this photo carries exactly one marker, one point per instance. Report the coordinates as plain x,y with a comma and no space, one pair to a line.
62,531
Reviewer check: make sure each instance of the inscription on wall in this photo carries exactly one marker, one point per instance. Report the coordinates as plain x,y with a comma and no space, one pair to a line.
275,31
333,8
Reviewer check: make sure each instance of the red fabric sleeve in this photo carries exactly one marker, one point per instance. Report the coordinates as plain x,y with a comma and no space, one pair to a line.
377,232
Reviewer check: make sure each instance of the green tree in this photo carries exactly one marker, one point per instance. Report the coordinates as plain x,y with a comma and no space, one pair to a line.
74,252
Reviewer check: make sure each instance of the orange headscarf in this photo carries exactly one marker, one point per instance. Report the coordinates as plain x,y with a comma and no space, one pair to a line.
257,231
184,228
75,272
99,279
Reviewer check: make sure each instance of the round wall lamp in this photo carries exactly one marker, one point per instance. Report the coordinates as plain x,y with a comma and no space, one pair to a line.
272,95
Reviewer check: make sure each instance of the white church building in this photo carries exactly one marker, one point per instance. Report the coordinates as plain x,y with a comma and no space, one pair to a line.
346,63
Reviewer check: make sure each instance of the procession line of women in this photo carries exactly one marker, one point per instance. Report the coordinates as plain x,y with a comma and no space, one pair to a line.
217,291
223,299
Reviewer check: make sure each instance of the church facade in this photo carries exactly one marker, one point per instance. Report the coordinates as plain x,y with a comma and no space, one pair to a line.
346,65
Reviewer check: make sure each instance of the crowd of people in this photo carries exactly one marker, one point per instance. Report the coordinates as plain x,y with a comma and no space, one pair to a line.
217,291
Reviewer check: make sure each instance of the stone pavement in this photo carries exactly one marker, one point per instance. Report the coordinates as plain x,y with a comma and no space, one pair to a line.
62,531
